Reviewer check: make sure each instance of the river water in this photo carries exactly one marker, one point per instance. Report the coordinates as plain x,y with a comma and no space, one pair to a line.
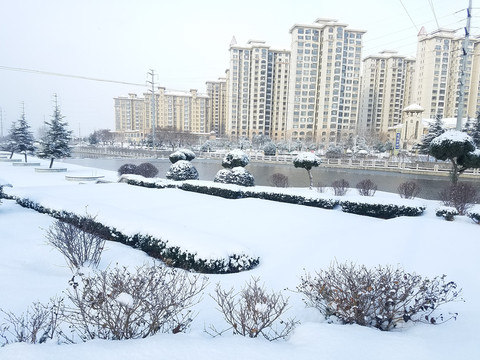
207,168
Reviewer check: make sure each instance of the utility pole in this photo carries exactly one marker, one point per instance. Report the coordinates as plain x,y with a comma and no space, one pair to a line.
461,92
153,118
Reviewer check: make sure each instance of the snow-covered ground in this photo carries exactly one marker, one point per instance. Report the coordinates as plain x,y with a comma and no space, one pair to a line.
289,239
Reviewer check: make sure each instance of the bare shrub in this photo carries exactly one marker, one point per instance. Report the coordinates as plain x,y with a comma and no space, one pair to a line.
460,196
117,304
35,326
381,297
340,187
253,312
79,245
321,187
408,190
279,180
366,187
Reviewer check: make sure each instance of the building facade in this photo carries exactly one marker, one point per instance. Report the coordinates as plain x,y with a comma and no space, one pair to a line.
257,87
217,114
385,91
324,81
438,71
174,110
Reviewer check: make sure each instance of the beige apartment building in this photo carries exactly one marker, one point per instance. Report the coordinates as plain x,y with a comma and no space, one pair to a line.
386,86
257,84
324,81
438,70
176,110
217,114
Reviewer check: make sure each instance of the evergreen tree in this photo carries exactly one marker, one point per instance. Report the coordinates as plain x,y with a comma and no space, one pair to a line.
55,143
475,131
306,160
23,137
435,129
459,149
11,145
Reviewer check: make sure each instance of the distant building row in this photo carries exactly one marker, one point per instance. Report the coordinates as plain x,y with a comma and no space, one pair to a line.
315,91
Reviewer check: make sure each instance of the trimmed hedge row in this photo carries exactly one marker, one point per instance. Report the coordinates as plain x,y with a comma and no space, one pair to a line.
156,248
293,199
382,211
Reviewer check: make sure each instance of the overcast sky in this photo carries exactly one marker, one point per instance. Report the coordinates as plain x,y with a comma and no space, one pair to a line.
185,41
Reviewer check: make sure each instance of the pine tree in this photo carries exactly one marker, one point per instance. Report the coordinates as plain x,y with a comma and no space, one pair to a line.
434,130
23,137
475,131
55,143
11,145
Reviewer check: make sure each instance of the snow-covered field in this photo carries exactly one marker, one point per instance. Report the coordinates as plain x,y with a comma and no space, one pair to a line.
289,239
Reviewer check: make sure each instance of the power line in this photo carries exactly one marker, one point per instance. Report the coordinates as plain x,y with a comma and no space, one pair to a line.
80,77
433,11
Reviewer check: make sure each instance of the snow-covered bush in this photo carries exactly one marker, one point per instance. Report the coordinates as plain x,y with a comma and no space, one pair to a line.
460,196
278,180
235,158
382,211
118,304
127,169
408,190
37,325
182,170
147,170
234,172
237,175
447,212
366,187
269,149
340,187
253,312
79,245
334,152
176,156
381,297
307,160
475,216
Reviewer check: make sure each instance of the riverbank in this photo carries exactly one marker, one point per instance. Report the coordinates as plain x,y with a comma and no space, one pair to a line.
407,166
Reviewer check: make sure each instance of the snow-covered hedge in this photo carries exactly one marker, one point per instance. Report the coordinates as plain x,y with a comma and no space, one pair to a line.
447,212
380,210
157,248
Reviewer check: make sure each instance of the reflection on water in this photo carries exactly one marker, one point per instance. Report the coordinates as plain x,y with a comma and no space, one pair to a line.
207,168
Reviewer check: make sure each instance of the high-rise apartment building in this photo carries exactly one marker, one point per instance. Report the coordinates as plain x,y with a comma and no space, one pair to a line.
175,110
130,117
217,115
324,83
257,90
386,81
438,71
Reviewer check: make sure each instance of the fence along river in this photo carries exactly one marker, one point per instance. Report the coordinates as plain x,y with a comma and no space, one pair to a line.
431,177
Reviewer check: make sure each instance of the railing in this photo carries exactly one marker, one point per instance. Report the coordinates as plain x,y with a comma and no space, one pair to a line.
421,167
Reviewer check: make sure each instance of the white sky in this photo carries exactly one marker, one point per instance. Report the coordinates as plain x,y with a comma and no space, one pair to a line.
185,41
